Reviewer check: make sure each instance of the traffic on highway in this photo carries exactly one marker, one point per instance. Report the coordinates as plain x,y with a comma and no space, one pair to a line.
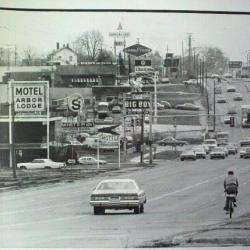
121,133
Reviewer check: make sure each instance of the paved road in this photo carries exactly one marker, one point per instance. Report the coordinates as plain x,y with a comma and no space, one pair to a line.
181,197
236,133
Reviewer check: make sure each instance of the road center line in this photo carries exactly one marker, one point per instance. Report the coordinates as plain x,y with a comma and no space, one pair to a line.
184,189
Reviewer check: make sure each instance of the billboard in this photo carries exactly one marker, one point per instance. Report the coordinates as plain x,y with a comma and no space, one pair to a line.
137,50
29,98
171,62
145,62
235,64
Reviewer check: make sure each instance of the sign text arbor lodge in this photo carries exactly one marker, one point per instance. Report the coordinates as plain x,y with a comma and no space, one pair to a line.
29,98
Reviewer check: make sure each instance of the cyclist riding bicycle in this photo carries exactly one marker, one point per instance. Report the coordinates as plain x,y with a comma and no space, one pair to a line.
231,185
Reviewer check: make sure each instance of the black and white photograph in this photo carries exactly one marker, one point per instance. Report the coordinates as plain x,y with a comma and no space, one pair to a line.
125,124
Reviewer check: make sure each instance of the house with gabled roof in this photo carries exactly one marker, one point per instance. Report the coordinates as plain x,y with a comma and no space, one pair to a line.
63,56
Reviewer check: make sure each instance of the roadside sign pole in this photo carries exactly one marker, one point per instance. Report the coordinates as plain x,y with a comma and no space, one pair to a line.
155,98
119,153
150,132
98,153
214,109
124,129
48,134
13,151
142,136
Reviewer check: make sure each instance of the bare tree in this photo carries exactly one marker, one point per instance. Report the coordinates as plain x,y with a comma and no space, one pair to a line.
29,55
91,43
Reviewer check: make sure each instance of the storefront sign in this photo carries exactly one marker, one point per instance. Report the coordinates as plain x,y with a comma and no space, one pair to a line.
29,98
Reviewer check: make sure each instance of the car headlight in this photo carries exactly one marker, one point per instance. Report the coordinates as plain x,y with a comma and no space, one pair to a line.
97,198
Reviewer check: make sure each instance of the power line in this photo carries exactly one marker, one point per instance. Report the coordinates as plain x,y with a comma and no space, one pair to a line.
213,12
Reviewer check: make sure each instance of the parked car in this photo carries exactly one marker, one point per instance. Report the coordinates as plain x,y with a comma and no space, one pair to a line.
238,97
160,106
217,152
210,143
199,152
40,163
188,155
231,89
227,120
247,153
171,141
221,99
164,80
166,104
232,148
116,109
118,194
88,160
108,119
187,106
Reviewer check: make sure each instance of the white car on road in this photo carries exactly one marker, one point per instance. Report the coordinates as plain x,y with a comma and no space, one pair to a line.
210,144
217,152
88,160
40,163
118,194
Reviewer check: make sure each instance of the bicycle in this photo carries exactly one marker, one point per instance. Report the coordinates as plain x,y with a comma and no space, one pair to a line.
231,200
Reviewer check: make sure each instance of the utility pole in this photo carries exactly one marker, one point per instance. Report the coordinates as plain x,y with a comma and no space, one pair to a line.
150,131
189,55
182,55
194,63
214,109
142,136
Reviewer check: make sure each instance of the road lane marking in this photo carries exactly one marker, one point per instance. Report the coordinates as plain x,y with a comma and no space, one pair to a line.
185,189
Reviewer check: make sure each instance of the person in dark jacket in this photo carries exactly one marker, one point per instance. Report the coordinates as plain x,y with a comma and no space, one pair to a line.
231,185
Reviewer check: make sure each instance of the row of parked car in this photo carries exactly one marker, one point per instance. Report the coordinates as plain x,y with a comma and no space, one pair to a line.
210,147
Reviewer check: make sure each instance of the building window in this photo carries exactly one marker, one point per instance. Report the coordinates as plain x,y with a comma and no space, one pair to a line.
70,58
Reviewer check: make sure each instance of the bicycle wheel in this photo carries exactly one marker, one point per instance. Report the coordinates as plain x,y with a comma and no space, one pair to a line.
230,208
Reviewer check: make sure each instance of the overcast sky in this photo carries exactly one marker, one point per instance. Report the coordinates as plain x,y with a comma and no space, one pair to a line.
41,31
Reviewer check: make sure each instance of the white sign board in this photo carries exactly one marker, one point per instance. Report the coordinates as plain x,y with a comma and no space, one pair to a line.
29,98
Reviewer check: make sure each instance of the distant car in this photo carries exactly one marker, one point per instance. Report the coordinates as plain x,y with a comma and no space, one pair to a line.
231,89
238,97
166,104
191,81
40,163
160,106
245,142
232,149
247,153
118,194
224,149
210,143
227,120
187,106
171,141
199,152
74,143
221,99
242,152
88,160
165,80
217,152
232,110
228,75
188,155
116,109
108,119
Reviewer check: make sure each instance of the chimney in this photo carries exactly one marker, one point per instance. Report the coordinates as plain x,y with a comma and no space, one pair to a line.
57,45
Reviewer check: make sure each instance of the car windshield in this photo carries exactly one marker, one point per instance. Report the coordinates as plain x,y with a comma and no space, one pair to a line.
114,185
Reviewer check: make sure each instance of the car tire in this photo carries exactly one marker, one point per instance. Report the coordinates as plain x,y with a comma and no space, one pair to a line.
142,208
137,210
182,159
23,167
99,210
47,167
